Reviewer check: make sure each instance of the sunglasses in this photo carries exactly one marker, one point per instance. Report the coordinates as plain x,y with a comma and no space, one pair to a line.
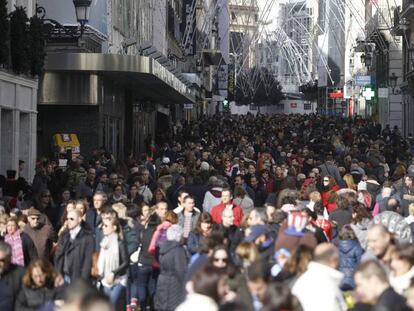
225,260
327,180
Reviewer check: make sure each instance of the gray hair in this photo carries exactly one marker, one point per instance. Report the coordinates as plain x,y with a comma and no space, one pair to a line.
5,248
175,233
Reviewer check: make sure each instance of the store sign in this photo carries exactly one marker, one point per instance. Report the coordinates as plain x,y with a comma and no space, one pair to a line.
293,105
336,95
368,93
362,80
188,106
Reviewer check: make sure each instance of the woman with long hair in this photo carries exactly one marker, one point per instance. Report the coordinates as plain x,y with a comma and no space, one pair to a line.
349,180
40,284
329,184
361,219
202,230
113,262
23,248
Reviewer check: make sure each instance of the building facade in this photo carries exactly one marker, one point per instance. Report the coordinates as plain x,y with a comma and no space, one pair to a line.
18,115
119,81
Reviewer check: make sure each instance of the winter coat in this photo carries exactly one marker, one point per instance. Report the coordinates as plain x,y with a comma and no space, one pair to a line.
43,238
194,219
31,299
171,281
145,257
158,238
130,230
193,242
389,300
350,253
74,258
361,230
12,280
29,249
218,209
326,295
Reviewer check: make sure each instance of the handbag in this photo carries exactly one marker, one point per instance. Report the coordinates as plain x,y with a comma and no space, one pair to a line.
94,269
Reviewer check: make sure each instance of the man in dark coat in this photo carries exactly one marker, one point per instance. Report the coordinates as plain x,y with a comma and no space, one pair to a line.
73,258
41,232
10,278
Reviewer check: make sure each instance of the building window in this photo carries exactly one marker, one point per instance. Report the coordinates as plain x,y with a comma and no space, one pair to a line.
233,15
307,106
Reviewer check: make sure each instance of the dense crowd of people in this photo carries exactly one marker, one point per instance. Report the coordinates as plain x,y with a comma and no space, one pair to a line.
268,212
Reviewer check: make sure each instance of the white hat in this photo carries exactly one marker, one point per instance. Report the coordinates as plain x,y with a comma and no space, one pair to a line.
165,160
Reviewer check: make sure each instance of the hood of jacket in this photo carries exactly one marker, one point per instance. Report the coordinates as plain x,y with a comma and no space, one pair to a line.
216,192
168,246
345,246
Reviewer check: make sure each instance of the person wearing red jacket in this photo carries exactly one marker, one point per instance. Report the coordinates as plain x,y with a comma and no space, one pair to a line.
226,202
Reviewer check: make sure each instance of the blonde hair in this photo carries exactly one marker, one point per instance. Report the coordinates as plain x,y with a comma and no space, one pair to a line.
247,251
315,196
411,209
120,209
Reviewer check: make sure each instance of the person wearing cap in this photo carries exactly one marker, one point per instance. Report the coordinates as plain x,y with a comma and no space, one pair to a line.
226,203
42,233
260,236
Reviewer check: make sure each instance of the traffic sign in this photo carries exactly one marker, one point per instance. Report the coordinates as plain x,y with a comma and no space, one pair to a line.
362,80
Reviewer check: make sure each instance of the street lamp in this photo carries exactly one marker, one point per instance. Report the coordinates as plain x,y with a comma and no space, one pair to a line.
51,26
82,8
393,81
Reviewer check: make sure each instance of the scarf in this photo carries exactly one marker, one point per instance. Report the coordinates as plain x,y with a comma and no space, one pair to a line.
108,260
15,241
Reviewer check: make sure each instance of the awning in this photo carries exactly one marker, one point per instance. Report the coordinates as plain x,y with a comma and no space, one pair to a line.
137,72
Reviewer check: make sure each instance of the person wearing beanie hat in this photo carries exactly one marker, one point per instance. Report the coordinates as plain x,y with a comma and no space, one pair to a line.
173,267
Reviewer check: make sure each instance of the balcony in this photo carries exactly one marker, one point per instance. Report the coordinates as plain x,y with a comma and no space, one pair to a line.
407,9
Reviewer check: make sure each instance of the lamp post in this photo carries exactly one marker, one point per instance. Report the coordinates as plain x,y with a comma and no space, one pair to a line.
411,56
393,81
82,10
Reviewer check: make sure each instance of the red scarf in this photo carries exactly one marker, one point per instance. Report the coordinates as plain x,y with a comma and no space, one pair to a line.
15,241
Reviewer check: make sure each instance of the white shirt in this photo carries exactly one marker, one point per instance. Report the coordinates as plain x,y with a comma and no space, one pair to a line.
74,232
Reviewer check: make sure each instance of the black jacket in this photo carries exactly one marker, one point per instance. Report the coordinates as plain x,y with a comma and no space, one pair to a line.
389,300
74,258
171,281
10,283
145,257
29,249
31,299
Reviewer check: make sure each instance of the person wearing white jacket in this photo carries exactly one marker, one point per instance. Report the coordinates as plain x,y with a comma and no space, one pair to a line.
318,288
